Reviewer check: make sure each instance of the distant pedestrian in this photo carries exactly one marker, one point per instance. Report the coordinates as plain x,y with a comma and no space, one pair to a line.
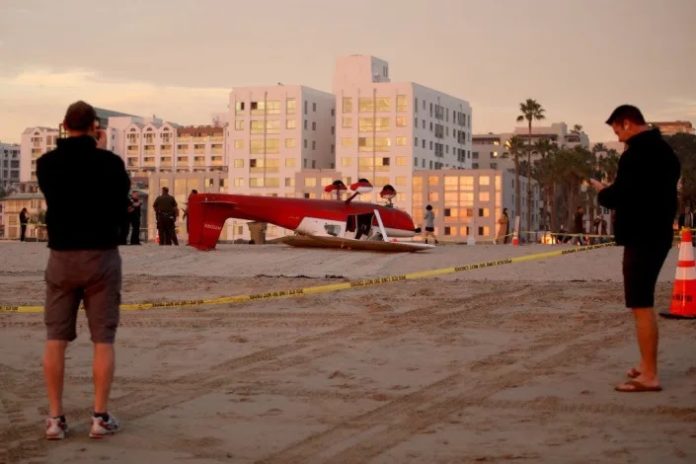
134,217
644,196
23,221
687,219
186,215
166,211
579,226
503,227
429,219
84,264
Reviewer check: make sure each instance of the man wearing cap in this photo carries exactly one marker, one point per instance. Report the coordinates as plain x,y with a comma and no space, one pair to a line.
646,182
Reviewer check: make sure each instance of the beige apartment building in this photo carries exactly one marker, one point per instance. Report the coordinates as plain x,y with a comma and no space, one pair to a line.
673,127
158,146
467,202
35,142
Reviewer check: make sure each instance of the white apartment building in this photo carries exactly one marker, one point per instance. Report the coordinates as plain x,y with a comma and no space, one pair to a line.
385,131
276,131
35,142
273,133
9,164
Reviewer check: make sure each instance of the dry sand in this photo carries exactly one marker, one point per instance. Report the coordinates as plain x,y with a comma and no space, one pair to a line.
508,364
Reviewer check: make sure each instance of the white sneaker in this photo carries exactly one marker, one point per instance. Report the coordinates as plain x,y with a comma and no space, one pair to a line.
56,428
100,428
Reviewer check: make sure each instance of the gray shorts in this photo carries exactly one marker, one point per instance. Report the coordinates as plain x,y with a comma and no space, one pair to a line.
92,276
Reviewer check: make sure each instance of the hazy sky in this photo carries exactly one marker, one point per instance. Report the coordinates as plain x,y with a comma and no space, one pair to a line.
179,59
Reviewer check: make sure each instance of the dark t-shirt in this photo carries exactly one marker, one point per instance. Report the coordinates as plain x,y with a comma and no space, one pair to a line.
644,193
86,191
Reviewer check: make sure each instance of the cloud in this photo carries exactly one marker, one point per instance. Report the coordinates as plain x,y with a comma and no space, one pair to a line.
40,96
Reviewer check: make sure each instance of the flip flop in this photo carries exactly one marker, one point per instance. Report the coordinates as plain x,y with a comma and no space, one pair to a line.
633,373
633,386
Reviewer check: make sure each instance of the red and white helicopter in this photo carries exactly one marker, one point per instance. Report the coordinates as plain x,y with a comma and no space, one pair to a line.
317,223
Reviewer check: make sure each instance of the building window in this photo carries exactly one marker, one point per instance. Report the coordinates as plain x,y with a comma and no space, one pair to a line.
401,121
239,124
239,144
347,104
314,145
401,103
290,162
290,143
290,124
238,163
314,164
290,106
347,122
448,230
314,107
314,126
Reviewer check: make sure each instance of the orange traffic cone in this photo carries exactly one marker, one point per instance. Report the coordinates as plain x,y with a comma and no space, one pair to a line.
157,238
515,240
684,294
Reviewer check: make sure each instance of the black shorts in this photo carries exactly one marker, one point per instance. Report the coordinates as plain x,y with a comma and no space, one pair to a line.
641,266
430,229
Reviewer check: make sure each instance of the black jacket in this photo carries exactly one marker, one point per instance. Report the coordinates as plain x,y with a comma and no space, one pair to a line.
644,193
86,192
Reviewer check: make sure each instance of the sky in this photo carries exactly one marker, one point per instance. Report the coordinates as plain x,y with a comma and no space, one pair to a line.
179,59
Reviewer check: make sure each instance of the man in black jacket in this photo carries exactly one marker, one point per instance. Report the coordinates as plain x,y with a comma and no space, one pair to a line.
86,189
644,196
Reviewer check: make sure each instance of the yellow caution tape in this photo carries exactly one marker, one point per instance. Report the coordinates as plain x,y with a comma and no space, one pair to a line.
329,287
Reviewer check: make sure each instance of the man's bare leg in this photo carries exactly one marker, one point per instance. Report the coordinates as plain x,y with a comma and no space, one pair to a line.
103,373
54,373
647,336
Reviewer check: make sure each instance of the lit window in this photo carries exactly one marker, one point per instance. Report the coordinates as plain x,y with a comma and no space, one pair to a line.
290,143
346,142
346,162
346,122
290,162
347,105
239,144
290,124
310,182
238,163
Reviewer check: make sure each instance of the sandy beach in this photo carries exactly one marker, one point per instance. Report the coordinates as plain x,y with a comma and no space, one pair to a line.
506,364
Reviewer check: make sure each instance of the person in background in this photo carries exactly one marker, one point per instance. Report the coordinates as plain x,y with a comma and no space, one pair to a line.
686,219
23,221
186,215
579,226
166,211
134,217
644,197
503,227
84,263
429,219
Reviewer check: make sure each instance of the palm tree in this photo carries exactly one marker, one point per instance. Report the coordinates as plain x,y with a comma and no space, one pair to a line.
577,128
531,110
543,171
515,147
